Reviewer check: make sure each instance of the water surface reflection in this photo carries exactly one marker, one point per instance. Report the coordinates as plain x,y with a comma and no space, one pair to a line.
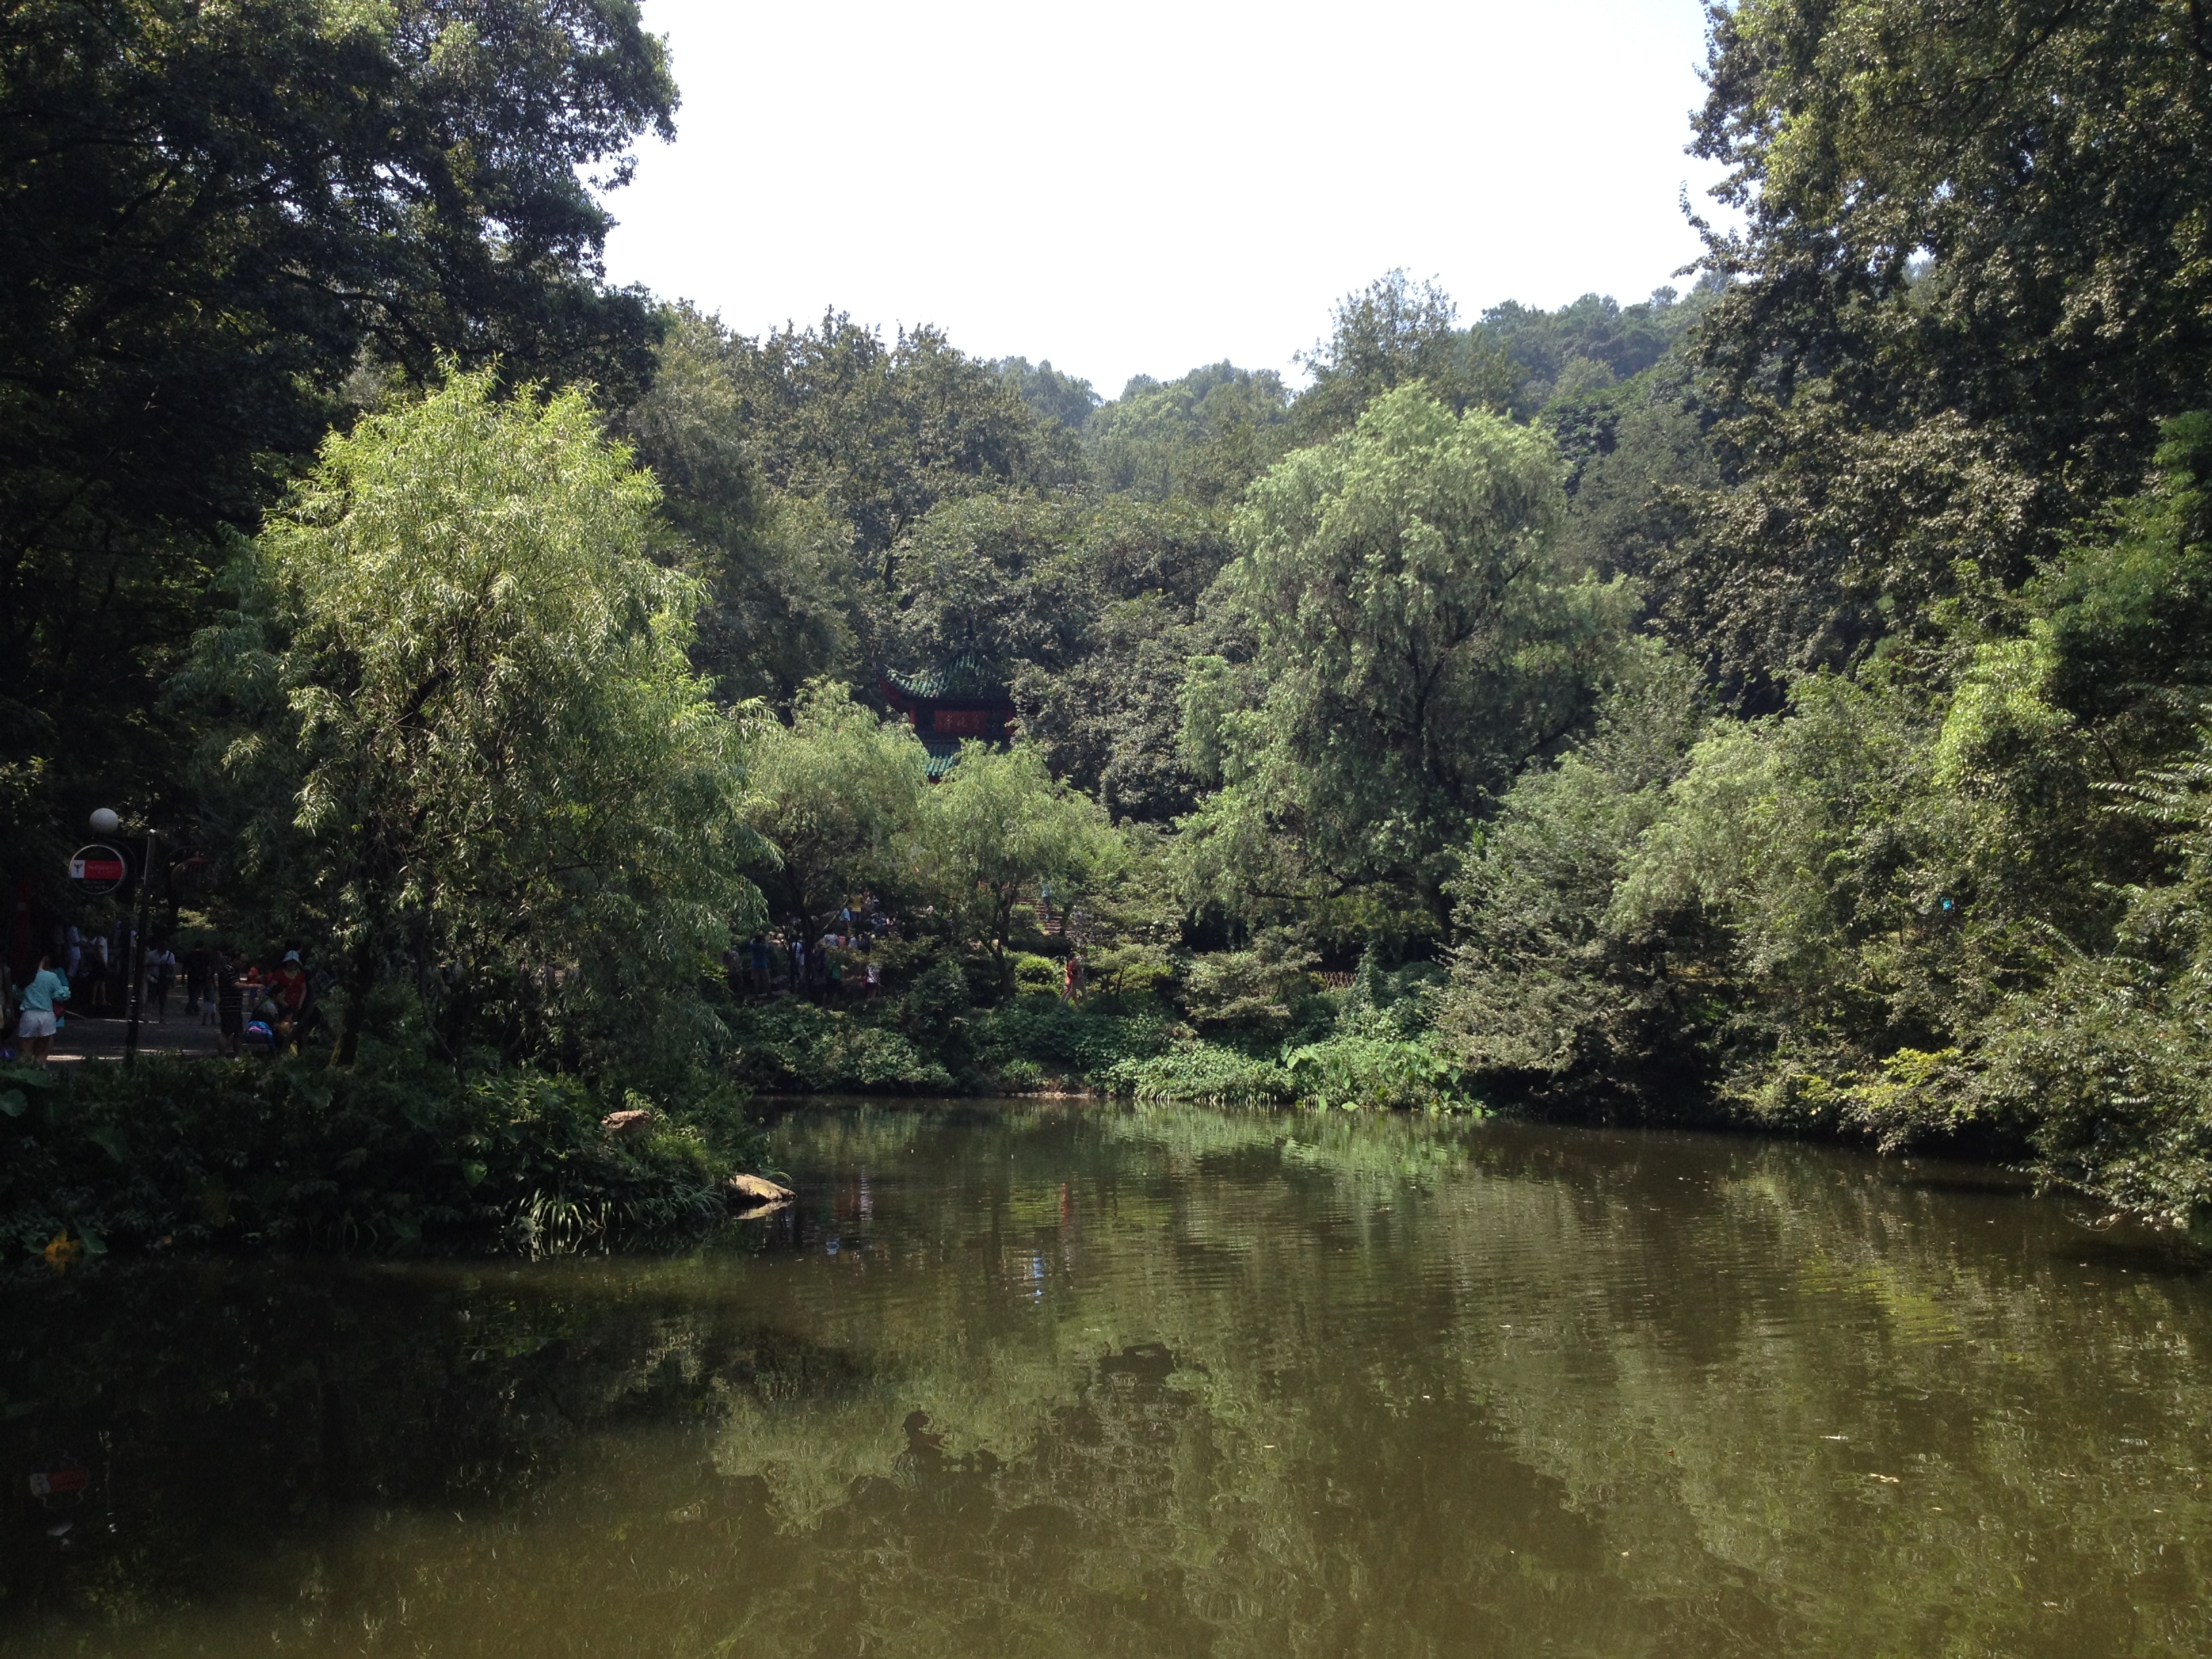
1023,1379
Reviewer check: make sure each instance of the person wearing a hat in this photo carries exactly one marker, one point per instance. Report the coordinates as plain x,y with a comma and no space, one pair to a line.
290,985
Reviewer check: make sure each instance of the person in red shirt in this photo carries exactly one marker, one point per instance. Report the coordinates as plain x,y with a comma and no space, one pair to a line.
289,987
290,984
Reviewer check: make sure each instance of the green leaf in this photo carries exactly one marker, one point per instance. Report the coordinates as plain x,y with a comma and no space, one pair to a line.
473,1173
13,1103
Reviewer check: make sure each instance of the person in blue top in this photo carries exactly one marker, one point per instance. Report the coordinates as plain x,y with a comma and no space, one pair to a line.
38,1023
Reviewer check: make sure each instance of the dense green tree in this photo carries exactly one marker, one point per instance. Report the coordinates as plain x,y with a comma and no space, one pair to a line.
458,695
1109,717
1591,344
880,433
783,601
1085,610
809,468
1995,210
1547,987
1617,387
1972,278
209,218
1666,917
1646,451
997,831
1956,894
1058,396
1417,641
1827,538
2124,625
2107,1066
1643,481
835,796
1202,438
997,579
1392,334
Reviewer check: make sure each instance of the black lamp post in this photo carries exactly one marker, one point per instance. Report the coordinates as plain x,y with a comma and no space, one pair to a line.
105,822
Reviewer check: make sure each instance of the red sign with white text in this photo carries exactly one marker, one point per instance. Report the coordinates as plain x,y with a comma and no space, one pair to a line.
97,869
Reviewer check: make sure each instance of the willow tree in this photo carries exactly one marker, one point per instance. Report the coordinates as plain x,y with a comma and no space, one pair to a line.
498,768
835,796
1417,640
211,218
997,831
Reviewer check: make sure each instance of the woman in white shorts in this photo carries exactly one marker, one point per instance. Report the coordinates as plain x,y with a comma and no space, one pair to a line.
38,1022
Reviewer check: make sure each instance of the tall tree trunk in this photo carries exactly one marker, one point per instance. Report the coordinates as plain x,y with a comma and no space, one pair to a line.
356,979
357,973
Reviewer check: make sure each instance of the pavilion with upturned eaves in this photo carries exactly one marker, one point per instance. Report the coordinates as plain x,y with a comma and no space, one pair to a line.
965,698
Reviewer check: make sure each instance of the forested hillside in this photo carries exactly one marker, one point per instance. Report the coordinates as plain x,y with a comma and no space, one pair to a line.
1778,700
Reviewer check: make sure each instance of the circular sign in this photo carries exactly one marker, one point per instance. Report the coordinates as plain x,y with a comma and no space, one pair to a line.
63,1477
98,869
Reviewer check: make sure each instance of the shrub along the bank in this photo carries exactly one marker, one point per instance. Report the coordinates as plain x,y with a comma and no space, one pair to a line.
1381,1070
392,1152
1370,1047
1206,1074
1041,1041
934,1042
1350,1070
793,1047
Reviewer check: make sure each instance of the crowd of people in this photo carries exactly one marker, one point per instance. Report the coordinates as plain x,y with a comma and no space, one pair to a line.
259,1008
783,963
837,966
254,1007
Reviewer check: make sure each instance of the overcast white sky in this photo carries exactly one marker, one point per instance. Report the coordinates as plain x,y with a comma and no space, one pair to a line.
1158,184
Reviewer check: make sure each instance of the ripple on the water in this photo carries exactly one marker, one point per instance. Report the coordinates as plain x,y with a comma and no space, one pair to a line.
1055,1379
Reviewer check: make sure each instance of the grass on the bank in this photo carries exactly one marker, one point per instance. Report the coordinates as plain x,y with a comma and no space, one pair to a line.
1341,1053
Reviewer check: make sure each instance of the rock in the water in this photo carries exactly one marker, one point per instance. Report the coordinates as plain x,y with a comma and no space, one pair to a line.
634,1121
759,1189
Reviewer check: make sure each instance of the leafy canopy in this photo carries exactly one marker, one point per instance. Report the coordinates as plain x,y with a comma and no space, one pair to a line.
471,701
880,432
219,226
996,830
1416,641
1974,274
1392,334
835,796
783,598
1203,437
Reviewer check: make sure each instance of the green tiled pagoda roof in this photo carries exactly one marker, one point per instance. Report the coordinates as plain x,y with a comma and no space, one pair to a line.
966,677
943,752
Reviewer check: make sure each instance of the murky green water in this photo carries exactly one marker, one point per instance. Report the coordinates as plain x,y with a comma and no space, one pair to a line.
1082,1381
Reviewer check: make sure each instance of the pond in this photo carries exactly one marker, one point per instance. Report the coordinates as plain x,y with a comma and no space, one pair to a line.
1022,1378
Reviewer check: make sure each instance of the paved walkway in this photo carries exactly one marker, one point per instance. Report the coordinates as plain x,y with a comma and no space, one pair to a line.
81,1038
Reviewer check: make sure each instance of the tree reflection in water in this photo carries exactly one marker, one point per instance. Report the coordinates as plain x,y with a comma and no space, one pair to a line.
1094,1381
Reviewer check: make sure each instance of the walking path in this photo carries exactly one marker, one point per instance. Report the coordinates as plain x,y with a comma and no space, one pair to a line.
81,1039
